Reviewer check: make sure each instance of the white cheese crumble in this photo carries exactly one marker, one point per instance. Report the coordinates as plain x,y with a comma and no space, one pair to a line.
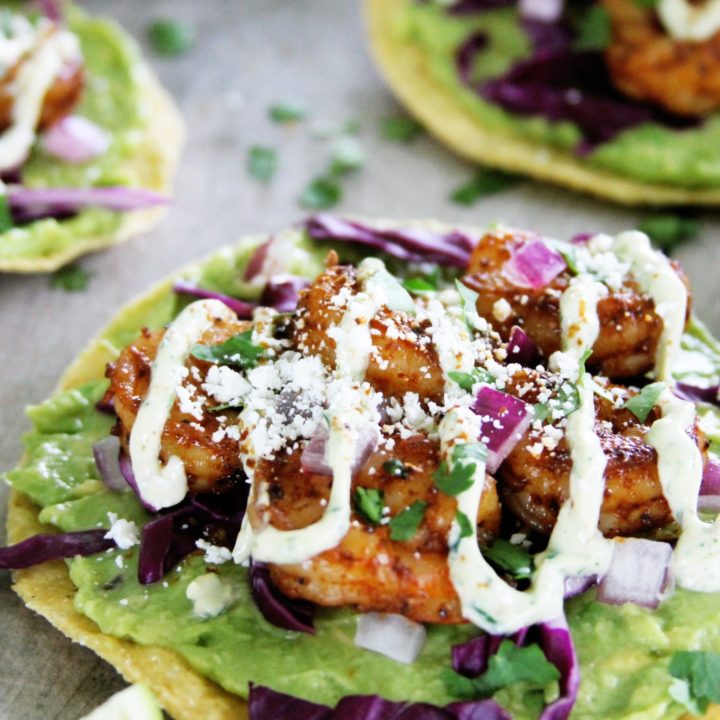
210,595
214,554
123,533
501,310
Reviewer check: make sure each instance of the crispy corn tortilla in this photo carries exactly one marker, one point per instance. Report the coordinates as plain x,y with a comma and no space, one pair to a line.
48,590
406,72
155,163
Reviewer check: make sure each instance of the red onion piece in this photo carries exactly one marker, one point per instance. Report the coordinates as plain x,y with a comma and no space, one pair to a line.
711,478
282,292
76,139
394,636
313,460
582,238
504,420
520,348
241,308
533,265
695,393
257,260
49,202
637,574
41,548
107,459
51,9
544,10
578,584
275,607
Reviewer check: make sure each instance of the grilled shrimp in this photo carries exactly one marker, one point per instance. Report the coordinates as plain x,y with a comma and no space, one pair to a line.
210,463
533,481
629,326
368,569
647,64
399,363
60,99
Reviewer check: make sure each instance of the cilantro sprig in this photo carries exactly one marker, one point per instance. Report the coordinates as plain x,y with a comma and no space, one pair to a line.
369,502
71,278
286,112
511,664
484,182
667,230
513,559
170,37
701,673
641,405
458,476
238,351
468,380
396,468
405,524
400,128
262,163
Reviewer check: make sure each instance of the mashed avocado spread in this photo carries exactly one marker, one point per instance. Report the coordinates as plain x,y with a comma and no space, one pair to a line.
624,651
650,153
111,99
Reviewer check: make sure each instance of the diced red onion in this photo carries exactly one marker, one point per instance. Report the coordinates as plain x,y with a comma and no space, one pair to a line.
637,574
695,393
257,260
544,10
76,139
578,584
241,308
520,348
313,459
282,292
51,9
411,245
711,478
53,201
275,607
582,238
533,265
107,460
394,636
504,420
41,548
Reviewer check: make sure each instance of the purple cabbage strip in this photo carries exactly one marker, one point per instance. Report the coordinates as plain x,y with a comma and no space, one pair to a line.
267,704
411,245
471,660
470,7
257,260
127,472
582,238
51,9
467,52
155,543
41,548
282,292
548,36
242,309
275,607
695,393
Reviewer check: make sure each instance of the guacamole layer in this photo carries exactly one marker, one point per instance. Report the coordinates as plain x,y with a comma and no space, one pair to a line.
624,651
650,153
112,99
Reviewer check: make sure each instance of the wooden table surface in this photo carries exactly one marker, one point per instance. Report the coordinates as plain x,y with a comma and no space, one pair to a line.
248,55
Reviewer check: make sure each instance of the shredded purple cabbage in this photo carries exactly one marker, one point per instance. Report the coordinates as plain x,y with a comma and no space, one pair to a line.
548,36
267,704
467,52
695,393
471,660
257,260
170,537
470,7
41,548
275,607
282,292
242,309
127,472
411,245
51,9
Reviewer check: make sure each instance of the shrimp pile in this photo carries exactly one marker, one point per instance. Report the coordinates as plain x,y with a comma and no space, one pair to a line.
369,569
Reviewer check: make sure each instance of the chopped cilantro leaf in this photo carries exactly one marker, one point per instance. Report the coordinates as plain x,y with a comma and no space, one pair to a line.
286,113
347,156
396,468
71,278
581,363
238,350
468,380
667,231
484,182
321,194
468,301
541,411
511,664
400,128
640,405
469,451
594,31
701,671
404,525
455,481
6,219
170,37
262,163
369,502
466,528
569,256
419,285
567,399
513,559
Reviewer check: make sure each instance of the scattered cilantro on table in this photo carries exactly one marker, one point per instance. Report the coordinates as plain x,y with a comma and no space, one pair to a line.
262,163
71,278
484,182
285,113
667,231
322,193
400,128
170,37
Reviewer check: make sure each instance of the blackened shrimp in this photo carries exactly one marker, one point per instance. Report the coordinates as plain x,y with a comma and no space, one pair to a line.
192,432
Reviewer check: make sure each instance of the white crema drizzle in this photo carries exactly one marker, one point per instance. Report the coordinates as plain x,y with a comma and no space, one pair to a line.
42,58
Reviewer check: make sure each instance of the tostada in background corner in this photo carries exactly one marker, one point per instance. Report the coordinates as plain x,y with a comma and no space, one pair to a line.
366,469
89,140
617,98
